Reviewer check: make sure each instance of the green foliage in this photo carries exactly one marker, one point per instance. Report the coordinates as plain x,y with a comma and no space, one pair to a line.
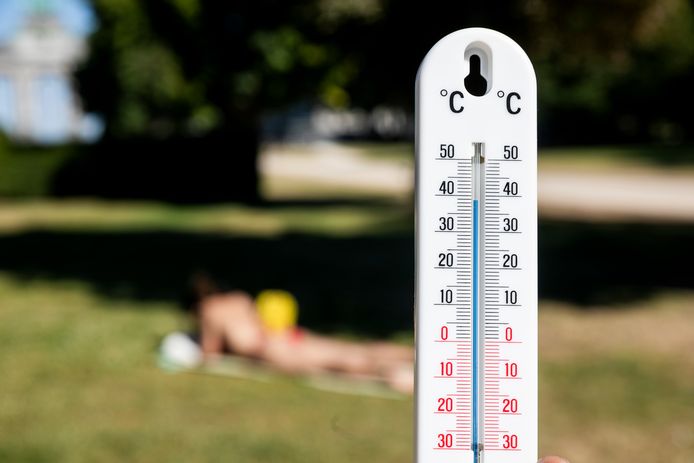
195,66
618,66
189,67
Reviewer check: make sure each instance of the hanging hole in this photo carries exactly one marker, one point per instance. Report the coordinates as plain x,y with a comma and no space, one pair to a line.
478,81
475,84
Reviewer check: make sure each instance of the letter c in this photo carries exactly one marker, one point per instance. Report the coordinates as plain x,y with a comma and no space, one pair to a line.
508,103
451,102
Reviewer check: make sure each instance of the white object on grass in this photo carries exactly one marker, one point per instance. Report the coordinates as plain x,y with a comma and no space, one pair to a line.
179,350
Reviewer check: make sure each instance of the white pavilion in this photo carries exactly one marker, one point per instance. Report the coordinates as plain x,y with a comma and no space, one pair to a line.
41,44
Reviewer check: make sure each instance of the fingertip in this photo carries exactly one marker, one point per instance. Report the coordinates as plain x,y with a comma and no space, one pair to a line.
552,459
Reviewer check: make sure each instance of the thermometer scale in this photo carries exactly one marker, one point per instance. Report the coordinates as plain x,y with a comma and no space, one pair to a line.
476,252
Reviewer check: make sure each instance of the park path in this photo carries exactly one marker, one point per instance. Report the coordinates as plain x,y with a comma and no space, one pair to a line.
643,195
634,194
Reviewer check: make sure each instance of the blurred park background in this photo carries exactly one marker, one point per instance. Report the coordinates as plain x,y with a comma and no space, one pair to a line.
269,143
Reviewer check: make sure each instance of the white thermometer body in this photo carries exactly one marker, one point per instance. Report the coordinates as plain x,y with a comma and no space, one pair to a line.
476,252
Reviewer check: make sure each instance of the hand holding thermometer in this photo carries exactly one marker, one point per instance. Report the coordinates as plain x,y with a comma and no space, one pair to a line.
476,252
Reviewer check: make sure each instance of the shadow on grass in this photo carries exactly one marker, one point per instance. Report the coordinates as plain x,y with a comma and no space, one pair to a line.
610,263
361,284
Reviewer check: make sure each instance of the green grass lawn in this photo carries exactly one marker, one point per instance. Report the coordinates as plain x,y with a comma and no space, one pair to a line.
79,384
335,220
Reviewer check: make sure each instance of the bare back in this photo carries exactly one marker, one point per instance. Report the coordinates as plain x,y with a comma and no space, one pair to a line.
229,322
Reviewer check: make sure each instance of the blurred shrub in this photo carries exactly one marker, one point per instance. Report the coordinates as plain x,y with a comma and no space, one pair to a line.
28,171
615,71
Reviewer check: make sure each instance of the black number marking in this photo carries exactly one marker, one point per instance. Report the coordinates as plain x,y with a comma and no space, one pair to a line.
511,188
446,151
510,152
447,187
510,261
446,259
446,223
511,224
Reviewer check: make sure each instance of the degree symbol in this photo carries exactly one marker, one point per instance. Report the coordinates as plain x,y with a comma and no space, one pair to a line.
500,93
444,92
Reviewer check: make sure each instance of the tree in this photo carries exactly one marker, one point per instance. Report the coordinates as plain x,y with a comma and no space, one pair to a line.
205,70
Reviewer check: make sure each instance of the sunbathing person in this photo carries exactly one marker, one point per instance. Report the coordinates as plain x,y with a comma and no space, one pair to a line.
230,323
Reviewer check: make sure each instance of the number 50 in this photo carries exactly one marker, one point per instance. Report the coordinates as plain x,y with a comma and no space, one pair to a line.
510,152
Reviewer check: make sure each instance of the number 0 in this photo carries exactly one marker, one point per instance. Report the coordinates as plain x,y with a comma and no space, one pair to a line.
511,370
444,333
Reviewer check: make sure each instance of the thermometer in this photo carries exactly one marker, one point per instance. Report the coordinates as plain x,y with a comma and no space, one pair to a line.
476,252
